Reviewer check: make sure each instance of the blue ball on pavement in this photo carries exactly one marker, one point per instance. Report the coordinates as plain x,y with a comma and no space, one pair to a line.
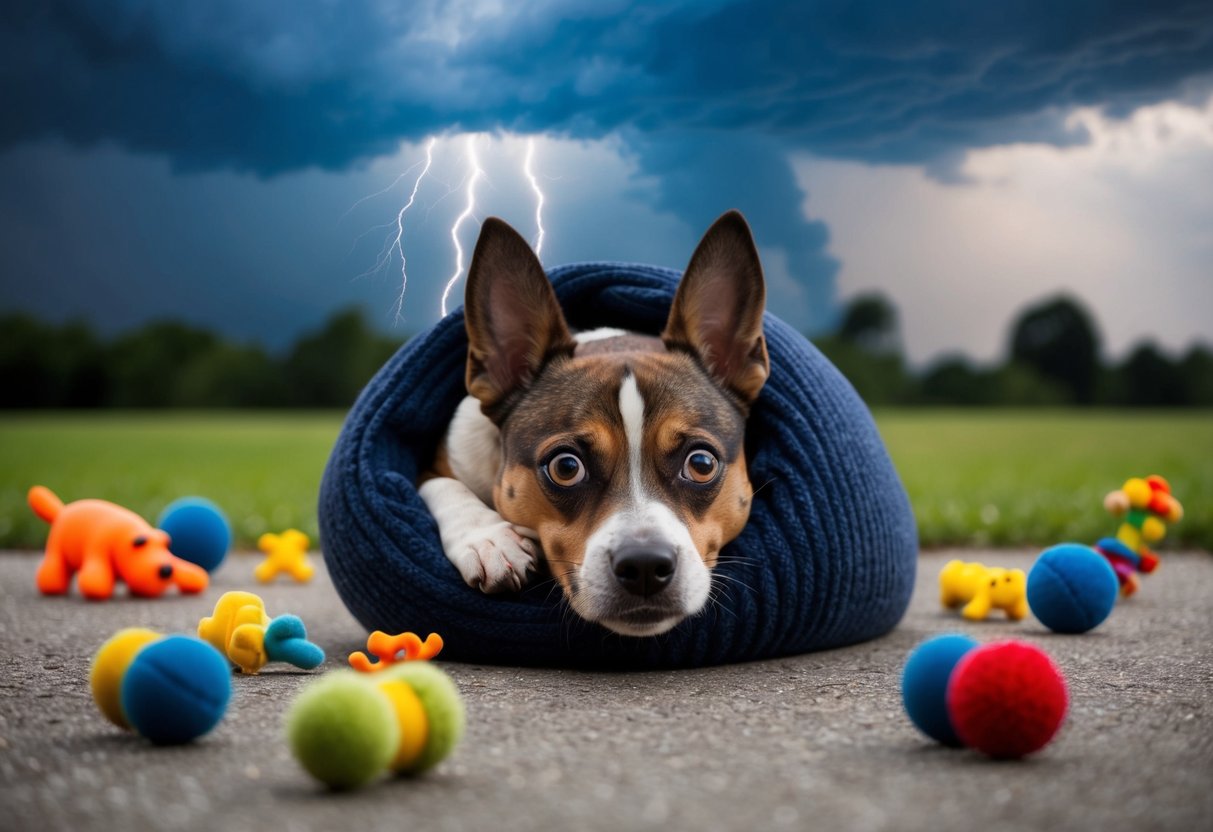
924,684
1072,588
176,689
198,531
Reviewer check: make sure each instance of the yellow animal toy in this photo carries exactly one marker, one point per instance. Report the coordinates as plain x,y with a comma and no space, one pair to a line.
981,588
240,629
286,552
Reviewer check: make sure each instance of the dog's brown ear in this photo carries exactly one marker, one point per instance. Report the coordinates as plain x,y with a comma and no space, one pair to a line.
514,323
717,311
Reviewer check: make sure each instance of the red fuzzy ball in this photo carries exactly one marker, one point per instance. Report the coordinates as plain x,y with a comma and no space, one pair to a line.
1006,699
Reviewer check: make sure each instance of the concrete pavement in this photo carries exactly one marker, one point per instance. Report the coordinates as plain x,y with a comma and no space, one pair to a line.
810,742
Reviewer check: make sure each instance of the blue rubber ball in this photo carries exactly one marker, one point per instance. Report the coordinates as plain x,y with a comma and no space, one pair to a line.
176,690
1071,588
924,685
198,530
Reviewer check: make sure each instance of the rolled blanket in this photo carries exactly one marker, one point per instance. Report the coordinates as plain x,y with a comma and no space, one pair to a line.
827,558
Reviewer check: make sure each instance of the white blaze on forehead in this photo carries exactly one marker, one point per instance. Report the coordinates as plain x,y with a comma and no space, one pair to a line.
631,408
649,521
600,334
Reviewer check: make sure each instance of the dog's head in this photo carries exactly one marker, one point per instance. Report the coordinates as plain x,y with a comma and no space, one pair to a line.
624,453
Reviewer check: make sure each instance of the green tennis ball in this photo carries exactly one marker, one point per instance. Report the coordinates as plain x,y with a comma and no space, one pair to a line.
342,730
443,707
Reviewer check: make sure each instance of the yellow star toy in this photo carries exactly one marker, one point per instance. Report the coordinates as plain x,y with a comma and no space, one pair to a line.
286,552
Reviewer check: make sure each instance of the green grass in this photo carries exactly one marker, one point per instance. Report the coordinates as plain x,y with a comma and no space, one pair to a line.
1006,477
983,477
263,468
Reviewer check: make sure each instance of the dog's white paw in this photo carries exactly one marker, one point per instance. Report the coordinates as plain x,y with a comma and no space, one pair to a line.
494,558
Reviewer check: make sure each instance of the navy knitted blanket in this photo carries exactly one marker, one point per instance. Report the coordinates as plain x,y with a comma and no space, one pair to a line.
827,558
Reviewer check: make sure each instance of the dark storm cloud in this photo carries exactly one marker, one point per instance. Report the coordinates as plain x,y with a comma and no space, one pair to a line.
712,96
749,172
272,86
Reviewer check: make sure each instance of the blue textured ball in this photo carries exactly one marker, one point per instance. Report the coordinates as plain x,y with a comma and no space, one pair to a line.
924,684
176,690
198,530
1071,588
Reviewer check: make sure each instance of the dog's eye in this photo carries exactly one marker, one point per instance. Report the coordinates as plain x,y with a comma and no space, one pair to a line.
139,541
566,470
701,467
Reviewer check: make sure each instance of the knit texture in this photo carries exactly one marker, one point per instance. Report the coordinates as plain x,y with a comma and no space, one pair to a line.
827,558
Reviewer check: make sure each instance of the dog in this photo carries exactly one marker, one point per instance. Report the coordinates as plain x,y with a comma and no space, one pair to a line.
103,542
616,459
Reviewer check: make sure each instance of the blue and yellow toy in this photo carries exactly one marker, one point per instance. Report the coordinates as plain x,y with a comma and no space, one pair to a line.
241,630
284,553
978,589
1146,506
170,690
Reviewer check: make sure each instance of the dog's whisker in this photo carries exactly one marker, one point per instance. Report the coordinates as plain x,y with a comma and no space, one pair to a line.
722,576
555,587
739,559
764,485
737,581
714,599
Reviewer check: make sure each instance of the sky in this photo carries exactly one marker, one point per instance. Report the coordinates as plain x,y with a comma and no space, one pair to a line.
243,165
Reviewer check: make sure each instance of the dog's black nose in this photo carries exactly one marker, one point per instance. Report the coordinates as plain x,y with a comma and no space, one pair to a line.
644,570
166,571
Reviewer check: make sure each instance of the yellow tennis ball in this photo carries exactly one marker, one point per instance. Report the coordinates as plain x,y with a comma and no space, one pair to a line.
109,666
343,730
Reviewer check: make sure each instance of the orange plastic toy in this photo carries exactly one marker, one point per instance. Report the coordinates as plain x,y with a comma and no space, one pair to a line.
104,542
405,647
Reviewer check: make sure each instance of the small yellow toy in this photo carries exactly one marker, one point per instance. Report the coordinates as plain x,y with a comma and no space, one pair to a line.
286,552
981,588
240,629
389,649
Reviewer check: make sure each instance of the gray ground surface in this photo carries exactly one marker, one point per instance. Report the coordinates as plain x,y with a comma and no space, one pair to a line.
816,741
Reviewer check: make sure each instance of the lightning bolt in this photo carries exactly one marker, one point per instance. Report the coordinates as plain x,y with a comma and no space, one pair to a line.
393,245
397,243
530,175
395,182
472,179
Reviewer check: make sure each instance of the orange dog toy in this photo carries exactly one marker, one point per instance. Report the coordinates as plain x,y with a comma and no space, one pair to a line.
102,542
389,648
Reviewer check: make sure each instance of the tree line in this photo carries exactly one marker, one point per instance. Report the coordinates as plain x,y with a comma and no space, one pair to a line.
172,364
1054,357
